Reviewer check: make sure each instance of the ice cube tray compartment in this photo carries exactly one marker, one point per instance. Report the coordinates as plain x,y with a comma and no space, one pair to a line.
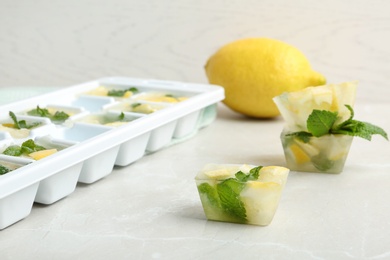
42,126
49,111
93,139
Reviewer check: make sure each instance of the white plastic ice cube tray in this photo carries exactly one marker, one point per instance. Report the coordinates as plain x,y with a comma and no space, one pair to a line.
88,151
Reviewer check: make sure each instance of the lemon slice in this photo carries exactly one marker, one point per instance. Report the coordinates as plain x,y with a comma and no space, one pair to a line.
213,171
218,174
128,94
42,154
99,91
144,109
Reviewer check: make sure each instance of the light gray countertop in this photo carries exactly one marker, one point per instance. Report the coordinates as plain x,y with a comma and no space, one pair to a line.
151,209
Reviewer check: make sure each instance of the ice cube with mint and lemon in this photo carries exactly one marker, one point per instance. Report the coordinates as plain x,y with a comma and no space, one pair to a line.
320,127
245,194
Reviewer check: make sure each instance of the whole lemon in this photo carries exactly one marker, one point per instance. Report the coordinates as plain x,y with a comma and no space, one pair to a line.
253,71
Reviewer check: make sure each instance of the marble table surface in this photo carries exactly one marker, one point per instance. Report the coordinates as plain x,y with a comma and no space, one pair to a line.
151,209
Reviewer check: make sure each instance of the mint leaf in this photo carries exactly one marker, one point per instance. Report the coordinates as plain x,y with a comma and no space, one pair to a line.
347,124
229,193
321,162
320,122
211,193
27,147
361,129
13,117
59,116
134,90
302,136
135,105
241,176
225,196
366,130
121,92
42,112
22,123
30,146
358,128
4,170
13,150
251,176
121,117
107,119
254,173
116,93
351,111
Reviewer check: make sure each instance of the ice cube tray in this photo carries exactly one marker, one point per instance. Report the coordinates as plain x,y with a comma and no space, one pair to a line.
89,143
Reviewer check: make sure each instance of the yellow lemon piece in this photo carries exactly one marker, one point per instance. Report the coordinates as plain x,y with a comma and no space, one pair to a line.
299,154
253,71
263,185
99,91
213,171
128,94
144,109
15,133
116,123
218,174
165,99
52,111
42,154
182,98
10,125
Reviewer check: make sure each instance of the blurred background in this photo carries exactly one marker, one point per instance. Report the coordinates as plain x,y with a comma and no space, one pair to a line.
47,43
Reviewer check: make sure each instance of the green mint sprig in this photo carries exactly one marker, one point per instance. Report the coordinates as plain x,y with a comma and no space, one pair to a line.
172,96
4,170
134,105
225,196
27,147
19,124
108,119
42,112
251,176
323,122
59,116
121,92
121,117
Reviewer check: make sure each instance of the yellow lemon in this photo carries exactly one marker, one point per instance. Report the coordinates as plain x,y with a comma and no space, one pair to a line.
300,155
253,71
42,154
